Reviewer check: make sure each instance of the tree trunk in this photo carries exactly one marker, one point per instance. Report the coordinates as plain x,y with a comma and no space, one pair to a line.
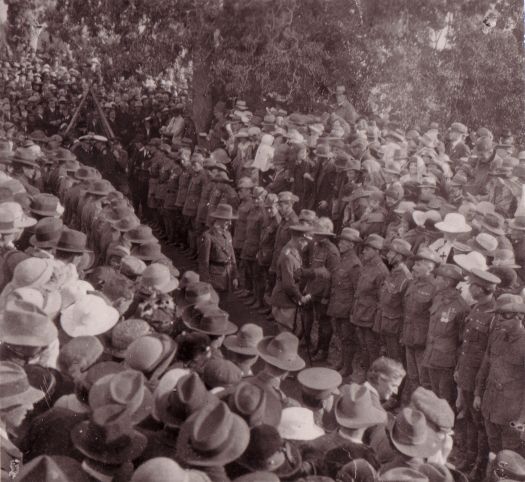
201,87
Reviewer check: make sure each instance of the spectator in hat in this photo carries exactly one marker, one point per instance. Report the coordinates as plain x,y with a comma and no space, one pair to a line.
392,291
17,397
366,298
354,413
475,339
287,295
447,315
500,377
417,302
342,289
241,348
456,147
166,469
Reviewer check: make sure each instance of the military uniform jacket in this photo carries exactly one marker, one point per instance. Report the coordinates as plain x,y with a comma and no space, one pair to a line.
254,226
286,292
366,301
182,188
457,151
391,294
204,202
323,258
267,239
194,194
417,301
239,234
343,285
475,340
447,315
282,236
222,193
172,190
500,380
217,263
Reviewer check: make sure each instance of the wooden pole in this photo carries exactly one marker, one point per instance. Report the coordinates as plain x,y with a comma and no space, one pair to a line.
105,123
74,119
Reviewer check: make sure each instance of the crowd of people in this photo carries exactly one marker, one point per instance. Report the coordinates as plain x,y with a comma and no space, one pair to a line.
389,263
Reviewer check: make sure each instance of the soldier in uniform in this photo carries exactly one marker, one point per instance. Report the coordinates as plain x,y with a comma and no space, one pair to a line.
500,388
191,201
182,191
250,247
245,187
289,218
323,258
416,316
373,273
342,291
478,322
287,295
517,238
390,314
447,315
271,222
217,264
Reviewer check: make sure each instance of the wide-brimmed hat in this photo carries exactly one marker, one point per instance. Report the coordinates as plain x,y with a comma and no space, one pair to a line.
411,435
213,322
428,254
245,341
109,436
351,234
400,246
45,205
255,404
148,252
164,469
319,382
505,258
32,272
470,261
126,388
403,474
518,223
509,303
72,241
179,397
85,173
220,374
484,243
100,188
124,334
151,354
194,293
323,227
374,241
268,451
449,271
55,468
483,278
281,351
354,408
91,315
494,223
453,223
64,155
8,224
20,217
297,423
23,323
287,196
167,384
15,388
157,278
24,157
213,436
223,211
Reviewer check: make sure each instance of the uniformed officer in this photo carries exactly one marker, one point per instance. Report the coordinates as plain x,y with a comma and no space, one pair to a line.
287,296
500,388
390,314
191,201
217,264
417,301
475,339
285,203
245,187
447,315
364,311
342,292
